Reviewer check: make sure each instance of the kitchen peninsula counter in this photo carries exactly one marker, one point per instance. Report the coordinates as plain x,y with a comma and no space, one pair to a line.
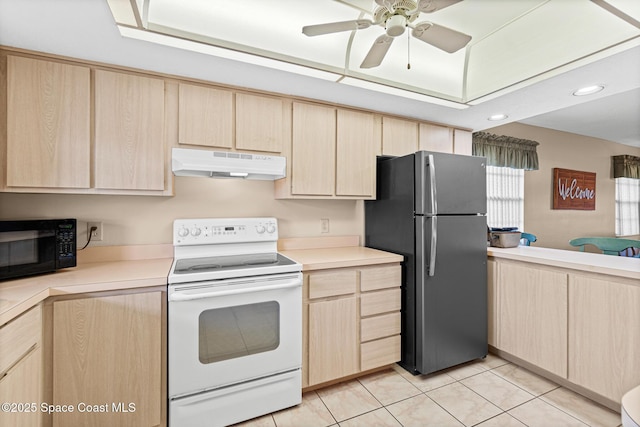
97,272
569,316
574,260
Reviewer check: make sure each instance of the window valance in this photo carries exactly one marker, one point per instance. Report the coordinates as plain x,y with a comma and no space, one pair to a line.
506,151
626,166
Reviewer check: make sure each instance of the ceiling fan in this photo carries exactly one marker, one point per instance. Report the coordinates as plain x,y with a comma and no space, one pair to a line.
395,16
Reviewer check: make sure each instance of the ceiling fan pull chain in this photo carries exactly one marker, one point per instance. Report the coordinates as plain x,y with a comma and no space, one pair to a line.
408,51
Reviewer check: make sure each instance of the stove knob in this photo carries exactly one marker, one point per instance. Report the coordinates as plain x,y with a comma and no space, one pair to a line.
183,232
271,228
195,231
260,229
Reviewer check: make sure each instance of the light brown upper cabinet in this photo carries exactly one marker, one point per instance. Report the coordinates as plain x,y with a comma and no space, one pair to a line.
48,125
205,116
436,138
399,137
220,118
261,123
462,141
313,162
129,132
333,154
357,143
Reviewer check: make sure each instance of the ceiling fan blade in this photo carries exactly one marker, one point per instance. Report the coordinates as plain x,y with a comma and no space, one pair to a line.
336,27
377,52
386,3
430,6
441,37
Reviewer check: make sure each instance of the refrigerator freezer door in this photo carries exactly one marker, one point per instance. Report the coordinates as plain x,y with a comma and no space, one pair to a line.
449,184
450,306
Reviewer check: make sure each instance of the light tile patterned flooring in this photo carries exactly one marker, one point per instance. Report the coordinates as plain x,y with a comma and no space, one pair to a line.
485,393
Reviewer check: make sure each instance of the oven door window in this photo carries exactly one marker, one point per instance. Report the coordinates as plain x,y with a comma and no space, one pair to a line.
237,331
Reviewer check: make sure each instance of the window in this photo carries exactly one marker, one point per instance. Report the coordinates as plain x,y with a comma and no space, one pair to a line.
505,197
627,206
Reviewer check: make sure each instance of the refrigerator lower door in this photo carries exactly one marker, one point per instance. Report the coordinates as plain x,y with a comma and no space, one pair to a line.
450,291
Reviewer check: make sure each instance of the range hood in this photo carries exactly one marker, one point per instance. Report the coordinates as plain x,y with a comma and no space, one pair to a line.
223,164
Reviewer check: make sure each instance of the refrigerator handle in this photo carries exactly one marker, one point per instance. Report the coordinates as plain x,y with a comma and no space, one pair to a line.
432,186
434,245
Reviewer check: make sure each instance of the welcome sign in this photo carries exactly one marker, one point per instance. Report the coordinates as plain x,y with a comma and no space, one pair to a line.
574,190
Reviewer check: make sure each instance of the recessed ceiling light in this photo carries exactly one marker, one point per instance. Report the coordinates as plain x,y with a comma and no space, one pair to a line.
497,117
588,90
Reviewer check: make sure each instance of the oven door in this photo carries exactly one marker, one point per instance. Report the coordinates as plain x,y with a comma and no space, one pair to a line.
225,332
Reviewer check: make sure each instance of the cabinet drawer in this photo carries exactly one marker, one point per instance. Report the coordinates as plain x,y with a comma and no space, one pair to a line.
380,278
374,354
380,302
21,385
18,336
323,285
379,326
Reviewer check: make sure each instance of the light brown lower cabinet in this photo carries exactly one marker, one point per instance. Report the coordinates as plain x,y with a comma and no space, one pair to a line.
333,344
108,360
580,329
532,309
351,322
21,376
604,335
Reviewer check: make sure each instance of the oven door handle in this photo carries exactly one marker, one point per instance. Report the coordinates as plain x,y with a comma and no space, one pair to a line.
177,296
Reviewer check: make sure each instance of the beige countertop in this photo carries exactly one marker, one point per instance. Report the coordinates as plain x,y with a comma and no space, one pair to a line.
575,260
17,296
127,267
351,256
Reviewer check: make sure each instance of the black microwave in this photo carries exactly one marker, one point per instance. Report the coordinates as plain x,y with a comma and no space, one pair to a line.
38,246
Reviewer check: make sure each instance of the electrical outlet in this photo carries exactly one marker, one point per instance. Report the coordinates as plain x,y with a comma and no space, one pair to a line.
96,235
324,225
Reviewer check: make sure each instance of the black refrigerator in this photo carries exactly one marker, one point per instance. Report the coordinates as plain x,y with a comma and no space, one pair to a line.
431,208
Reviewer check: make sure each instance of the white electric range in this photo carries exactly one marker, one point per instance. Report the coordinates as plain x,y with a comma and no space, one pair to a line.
235,322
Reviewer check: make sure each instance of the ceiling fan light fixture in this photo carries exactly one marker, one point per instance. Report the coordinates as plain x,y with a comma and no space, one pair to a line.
588,90
396,25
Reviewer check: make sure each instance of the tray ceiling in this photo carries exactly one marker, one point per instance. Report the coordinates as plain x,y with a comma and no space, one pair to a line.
513,42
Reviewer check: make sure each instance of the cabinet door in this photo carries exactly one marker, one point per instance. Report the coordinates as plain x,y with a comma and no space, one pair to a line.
436,138
129,132
205,116
48,124
108,350
533,315
399,137
492,307
22,385
355,154
604,335
333,342
260,123
313,162
462,142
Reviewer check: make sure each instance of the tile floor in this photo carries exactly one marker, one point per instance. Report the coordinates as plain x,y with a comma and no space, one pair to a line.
487,393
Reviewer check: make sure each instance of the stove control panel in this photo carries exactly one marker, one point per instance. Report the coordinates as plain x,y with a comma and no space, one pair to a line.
224,230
